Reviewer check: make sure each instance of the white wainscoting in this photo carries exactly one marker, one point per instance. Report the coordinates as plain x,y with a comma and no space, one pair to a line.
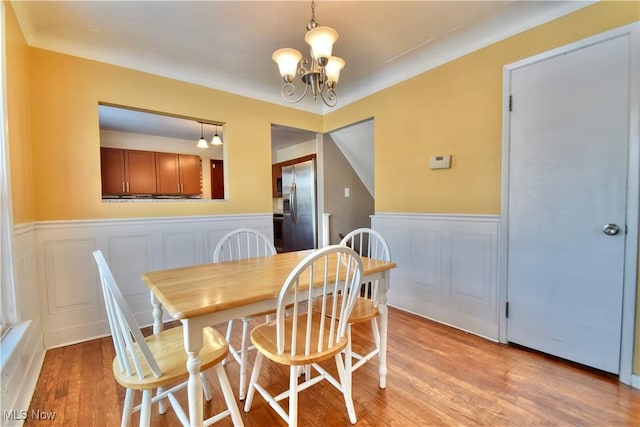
447,268
22,351
72,306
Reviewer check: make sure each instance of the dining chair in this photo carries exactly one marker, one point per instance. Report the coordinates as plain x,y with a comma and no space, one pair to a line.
242,243
301,338
367,243
157,361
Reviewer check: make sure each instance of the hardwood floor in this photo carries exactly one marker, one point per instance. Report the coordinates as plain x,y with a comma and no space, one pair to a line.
437,376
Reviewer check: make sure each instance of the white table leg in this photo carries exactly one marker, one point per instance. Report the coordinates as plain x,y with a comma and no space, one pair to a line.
158,326
193,336
382,308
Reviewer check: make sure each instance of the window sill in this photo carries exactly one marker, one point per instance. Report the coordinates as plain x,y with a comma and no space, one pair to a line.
11,341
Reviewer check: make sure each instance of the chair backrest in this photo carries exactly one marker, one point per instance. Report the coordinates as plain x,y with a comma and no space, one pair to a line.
132,351
368,243
243,243
333,270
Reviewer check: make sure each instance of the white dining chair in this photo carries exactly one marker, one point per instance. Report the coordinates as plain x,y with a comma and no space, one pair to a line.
157,361
301,338
368,243
242,243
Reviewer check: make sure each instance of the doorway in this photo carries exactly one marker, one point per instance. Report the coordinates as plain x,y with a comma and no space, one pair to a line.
570,202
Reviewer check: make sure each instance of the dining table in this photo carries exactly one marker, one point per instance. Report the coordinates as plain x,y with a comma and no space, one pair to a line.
210,294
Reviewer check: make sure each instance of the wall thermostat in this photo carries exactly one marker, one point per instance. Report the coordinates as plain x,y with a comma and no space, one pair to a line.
440,161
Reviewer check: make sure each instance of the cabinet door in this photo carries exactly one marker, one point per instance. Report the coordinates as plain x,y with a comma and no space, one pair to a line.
190,174
167,173
112,171
140,169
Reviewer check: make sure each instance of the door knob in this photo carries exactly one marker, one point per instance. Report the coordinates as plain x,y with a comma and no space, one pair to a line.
610,229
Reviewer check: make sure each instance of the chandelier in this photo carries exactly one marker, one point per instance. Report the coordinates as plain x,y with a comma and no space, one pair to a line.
320,73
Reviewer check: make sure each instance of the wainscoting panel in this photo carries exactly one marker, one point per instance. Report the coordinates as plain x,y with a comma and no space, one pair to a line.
128,255
181,248
63,272
73,307
447,268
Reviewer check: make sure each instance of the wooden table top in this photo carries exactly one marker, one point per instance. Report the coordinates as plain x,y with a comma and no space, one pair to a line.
193,291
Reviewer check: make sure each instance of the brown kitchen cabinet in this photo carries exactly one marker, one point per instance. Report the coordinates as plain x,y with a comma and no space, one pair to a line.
178,174
127,172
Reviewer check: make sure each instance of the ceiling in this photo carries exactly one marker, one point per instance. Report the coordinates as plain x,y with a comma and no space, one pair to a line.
228,45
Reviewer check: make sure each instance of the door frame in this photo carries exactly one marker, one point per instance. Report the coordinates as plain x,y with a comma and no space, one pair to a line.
630,277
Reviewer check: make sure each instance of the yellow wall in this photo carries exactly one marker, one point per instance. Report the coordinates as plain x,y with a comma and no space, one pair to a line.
65,92
457,109
18,112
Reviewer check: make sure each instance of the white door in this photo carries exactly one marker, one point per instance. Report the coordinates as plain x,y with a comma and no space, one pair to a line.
567,181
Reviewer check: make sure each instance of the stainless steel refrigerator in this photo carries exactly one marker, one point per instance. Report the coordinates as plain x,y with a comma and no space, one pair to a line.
299,206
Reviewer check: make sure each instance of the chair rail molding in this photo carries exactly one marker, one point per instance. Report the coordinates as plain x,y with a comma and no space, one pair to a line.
447,267
72,307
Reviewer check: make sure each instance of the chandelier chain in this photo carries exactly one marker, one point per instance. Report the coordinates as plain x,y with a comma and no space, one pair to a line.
312,22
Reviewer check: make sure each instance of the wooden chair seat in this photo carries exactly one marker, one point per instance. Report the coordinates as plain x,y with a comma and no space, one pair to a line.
263,337
363,310
168,350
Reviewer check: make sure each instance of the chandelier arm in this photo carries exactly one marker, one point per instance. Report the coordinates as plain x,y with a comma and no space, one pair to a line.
288,93
303,66
322,79
331,98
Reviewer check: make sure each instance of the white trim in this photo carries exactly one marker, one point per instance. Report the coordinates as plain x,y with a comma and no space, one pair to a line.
25,228
42,225
439,217
633,187
435,319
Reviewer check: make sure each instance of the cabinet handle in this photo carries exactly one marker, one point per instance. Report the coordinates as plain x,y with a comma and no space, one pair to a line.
123,186
128,187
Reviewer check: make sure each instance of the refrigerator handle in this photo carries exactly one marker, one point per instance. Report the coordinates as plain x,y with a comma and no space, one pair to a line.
293,202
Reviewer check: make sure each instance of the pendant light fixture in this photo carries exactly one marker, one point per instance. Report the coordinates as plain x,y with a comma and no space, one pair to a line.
216,139
202,143
320,73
